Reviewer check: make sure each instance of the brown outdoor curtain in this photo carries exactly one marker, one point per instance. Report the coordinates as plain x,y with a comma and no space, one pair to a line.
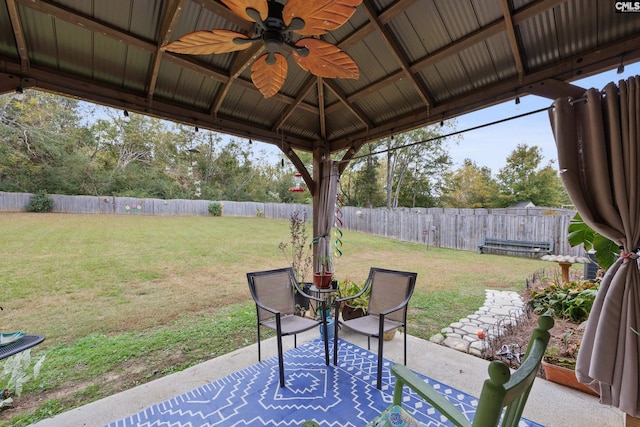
326,212
599,158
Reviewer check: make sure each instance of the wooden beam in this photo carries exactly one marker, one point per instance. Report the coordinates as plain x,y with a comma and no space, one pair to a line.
321,117
243,59
554,89
395,49
311,81
370,27
18,34
170,17
513,41
349,105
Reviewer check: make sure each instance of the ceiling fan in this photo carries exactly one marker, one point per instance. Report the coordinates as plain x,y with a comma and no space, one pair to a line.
274,26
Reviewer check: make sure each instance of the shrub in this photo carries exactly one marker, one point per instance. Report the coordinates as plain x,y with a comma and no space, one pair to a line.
40,202
215,209
299,249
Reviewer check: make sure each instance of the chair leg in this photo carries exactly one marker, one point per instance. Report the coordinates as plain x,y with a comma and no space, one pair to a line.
379,379
335,342
259,354
325,329
280,361
405,344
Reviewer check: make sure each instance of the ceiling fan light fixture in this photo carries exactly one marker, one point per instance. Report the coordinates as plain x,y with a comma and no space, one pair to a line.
275,24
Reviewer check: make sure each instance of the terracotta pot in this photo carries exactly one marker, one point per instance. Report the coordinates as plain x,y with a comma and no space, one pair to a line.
565,376
322,280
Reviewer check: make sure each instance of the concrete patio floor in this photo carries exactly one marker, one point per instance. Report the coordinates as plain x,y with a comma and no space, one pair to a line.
549,404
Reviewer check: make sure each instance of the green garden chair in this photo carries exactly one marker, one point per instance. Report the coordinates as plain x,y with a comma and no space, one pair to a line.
501,390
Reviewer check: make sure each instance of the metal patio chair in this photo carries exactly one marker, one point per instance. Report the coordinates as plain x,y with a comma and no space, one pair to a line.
273,292
389,294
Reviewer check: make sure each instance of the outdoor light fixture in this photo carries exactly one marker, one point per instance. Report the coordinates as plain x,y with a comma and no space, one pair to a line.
197,130
517,100
620,67
125,113
19,95
250,141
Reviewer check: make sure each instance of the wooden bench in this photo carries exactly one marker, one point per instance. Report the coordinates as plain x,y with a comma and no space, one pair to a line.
523,246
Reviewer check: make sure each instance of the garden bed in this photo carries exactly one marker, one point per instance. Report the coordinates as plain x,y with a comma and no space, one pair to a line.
509,346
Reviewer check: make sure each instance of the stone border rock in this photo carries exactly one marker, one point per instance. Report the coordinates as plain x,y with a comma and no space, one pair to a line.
500,309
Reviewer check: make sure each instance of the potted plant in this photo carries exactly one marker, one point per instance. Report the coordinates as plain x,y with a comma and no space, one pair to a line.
299,252
572,303
559,361
323,273
356,307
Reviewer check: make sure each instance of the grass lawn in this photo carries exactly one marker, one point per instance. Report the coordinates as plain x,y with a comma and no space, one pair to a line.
125,299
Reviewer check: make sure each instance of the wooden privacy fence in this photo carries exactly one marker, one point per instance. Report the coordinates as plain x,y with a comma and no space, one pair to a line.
461,229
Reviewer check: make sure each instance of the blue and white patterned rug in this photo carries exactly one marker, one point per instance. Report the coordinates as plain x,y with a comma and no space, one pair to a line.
342,396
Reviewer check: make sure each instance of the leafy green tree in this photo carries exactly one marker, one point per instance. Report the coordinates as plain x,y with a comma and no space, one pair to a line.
367,189
40,135
469,186
137,156
415,165
522,179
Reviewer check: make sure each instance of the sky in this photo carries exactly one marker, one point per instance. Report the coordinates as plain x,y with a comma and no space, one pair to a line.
490,146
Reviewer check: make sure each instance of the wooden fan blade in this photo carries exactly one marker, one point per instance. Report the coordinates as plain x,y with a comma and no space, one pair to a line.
269,78
326,60
319,16
206,42
239,7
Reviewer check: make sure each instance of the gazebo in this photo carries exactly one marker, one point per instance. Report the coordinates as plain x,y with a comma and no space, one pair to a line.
419,62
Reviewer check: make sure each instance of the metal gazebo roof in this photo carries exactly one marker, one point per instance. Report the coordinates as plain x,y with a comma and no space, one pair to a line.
421,61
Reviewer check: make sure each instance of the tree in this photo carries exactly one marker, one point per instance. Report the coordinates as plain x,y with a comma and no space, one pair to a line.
470,186
415,164
40,135
523,180
367,190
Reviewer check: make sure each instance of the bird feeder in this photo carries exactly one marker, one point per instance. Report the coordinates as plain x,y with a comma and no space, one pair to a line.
297,179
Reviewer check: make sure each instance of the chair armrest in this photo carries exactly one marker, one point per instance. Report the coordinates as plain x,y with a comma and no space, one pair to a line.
394,309
264,307
404,376
306,295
